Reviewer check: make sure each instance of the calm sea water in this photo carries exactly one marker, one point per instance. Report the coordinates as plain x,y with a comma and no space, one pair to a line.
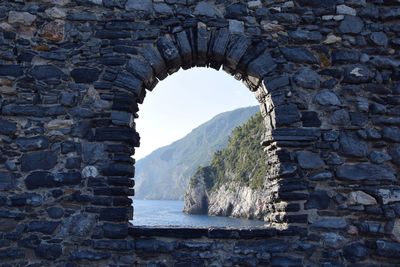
169,213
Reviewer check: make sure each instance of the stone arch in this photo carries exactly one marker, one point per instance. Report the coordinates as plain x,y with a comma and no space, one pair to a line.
69,99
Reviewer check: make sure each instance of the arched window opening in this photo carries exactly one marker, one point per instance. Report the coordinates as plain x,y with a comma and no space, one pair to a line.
195,121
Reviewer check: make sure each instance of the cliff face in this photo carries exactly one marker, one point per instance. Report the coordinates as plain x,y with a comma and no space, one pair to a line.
233,183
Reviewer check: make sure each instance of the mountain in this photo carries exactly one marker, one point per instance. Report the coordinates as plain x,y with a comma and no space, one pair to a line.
232,184
165,173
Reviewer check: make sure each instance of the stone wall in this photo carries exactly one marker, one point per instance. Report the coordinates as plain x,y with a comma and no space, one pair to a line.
72,73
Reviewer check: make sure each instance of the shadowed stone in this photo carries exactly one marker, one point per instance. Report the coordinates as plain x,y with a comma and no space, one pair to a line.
355,252
85,75
44,72
11,70
365,171
387,249
219,47
170,53
45,227
48,251
7,127
261,66
307,78
131,83
185,49
236,50
141,69
299,55
302,36
44,160
331,223
153,57
309,160
6,180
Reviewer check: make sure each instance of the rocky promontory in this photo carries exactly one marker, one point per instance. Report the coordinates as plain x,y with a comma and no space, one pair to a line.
232,185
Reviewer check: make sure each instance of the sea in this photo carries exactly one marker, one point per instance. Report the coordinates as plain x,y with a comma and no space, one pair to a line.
168,213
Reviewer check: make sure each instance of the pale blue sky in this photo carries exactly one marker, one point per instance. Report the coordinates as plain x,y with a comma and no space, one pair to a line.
185,100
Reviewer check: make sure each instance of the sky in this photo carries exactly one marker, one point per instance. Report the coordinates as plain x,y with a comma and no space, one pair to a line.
185,100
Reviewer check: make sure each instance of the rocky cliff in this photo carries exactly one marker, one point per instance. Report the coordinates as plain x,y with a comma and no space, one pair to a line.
232,185
166,172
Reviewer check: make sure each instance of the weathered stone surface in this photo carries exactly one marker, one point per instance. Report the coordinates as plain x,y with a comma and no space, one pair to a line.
379,38
113,214
307,78
391,134
32,143
23,18
45,227
89,255
394,152
351,145
387,249
355,252
170,53
128,81
357,74
302,36
261,66
139,5
360,197
48,251
340,117
6,180
55,13
77,225
7,127
351,24
115,231
309,160
327,98
299,55
155,60
365,171
85,75
379,157
207,9
331,223
345,56
44,160
55,212
389,196
345,10
44,72
44,179
54,31
140,68
11,70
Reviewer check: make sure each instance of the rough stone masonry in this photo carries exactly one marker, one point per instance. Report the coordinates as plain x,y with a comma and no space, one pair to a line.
326,74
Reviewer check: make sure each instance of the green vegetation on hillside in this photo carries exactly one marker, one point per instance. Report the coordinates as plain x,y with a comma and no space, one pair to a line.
242,161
